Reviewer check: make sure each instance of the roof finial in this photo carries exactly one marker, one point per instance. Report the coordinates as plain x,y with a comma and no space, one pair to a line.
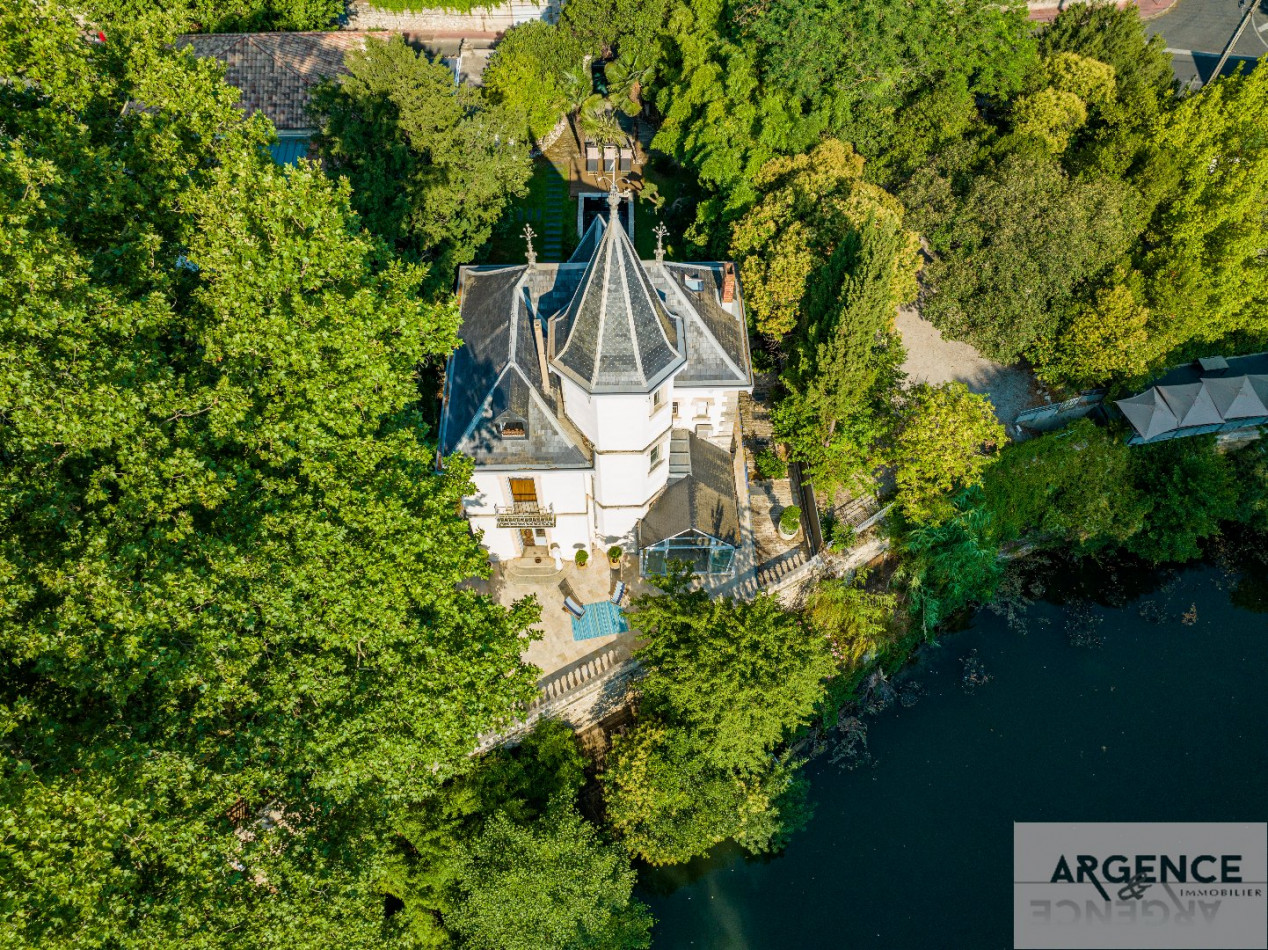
529,234
614,197
661,233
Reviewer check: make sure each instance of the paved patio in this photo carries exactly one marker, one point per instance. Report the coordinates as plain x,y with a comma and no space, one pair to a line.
537,574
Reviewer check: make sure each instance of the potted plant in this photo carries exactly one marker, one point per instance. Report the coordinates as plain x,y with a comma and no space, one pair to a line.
582,557
614,555
789,522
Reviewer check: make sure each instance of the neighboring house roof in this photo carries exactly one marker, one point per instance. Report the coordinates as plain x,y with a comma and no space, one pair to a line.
615,336
497,371
703,501
1203,396
1149,413
276,71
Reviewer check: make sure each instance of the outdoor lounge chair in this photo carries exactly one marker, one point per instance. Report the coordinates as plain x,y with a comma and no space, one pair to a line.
571,604
618,593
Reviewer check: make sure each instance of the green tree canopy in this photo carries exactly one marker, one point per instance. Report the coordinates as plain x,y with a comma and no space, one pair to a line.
1074,485
859,623
220,16
743,83
1192,489
529,75
669,804
826,260
550,886
432,164
232,634
1024,239
726,683
943,444
737,675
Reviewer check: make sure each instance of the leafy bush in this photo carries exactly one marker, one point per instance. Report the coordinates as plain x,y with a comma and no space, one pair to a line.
223,16
841,535
790,519
770,465
615,552
582,558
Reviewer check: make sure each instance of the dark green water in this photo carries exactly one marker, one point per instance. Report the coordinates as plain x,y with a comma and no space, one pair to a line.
1164,721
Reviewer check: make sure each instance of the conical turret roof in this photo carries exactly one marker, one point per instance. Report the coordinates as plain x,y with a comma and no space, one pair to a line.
615,335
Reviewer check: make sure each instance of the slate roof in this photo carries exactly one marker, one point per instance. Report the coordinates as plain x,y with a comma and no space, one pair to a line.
614,304
1193,398
615,336
496,371
716,340
276,71
589,241
1149,413
704,500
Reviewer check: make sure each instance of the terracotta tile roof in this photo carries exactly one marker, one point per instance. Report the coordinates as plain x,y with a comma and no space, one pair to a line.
275,71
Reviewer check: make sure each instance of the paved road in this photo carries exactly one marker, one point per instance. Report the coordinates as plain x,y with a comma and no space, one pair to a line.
1196,32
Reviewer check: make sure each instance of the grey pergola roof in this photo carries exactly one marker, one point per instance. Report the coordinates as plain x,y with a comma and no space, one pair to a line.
703,501
1196,402
615,335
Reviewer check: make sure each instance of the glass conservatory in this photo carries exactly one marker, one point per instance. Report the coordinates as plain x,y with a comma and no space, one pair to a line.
704,554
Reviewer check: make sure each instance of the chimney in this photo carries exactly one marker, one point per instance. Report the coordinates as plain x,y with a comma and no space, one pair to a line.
728,282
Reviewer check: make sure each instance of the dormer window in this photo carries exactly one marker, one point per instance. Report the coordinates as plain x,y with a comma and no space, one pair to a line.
512,427
694,283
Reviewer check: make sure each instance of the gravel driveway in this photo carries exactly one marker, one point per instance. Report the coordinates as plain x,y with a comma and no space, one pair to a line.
932,359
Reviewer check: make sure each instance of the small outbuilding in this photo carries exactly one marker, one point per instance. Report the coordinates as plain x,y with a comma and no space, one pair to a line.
1207,395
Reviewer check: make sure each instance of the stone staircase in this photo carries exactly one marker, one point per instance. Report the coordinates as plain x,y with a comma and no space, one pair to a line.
679,455
579,694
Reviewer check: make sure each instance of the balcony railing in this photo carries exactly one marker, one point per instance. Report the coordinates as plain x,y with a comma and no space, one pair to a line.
525,514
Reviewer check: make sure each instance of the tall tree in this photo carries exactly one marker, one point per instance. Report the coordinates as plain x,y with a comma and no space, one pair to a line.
551,886
232,637
431,163
726,683
668,803
738,675
826,260
538,73
944,441
1015,251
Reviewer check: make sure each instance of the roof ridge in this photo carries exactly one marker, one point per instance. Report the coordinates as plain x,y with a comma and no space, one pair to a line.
616,278
272,53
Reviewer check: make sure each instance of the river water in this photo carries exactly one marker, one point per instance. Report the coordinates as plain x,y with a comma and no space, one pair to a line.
1155,709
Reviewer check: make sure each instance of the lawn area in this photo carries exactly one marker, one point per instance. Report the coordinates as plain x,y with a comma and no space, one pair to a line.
553,214
548,209
674,185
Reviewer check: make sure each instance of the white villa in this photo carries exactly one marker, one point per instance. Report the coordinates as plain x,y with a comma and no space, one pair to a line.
599,399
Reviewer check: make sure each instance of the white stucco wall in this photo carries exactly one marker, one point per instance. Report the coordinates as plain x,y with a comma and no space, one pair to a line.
712,407
616,422
568,491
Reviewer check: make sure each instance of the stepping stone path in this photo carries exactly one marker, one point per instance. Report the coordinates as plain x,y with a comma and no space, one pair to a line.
553,227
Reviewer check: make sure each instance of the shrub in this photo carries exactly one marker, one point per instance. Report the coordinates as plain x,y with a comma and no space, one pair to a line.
841,535
770,465
582,558
790,519
615,552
